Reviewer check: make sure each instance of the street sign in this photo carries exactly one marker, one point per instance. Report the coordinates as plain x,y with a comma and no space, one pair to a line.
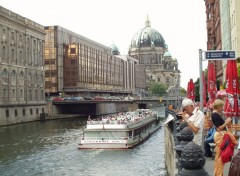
219,55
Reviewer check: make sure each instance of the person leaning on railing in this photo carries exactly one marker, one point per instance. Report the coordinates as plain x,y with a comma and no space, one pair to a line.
194,118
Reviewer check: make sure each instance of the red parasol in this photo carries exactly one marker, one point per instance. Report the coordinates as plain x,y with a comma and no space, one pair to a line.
204,89
231,107
190,90
212,89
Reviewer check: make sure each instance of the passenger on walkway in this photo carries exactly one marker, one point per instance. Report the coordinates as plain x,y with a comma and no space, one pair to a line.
194,118
209,138
218,138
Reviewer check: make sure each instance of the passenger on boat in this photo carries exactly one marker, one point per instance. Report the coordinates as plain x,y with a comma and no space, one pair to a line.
89,118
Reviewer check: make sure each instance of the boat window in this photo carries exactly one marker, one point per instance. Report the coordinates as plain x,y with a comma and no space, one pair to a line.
130,134
106,134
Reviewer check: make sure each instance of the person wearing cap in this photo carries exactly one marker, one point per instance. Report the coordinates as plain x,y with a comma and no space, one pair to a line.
194,118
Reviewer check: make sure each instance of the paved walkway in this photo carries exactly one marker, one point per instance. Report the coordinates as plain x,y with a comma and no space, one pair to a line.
209,165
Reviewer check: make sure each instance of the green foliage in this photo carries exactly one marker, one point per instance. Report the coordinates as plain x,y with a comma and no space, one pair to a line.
196,89
238,72
183,92
157,89
238,60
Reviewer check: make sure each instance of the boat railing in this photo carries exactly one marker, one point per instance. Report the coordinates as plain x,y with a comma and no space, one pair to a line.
119,122
92,122
105,138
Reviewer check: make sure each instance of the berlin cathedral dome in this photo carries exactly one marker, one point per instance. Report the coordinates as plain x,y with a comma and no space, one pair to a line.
150,49
148,37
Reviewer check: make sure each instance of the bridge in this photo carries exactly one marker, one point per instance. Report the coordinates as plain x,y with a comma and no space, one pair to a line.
99,107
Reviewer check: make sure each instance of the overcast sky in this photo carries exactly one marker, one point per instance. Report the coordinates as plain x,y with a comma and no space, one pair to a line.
182,23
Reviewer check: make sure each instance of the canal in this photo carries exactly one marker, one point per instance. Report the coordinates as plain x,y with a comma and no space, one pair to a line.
51,148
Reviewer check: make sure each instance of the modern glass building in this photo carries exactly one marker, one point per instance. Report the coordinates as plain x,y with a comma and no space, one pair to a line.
76,65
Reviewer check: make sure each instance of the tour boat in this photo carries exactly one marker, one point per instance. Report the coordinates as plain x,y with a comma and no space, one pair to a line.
120,131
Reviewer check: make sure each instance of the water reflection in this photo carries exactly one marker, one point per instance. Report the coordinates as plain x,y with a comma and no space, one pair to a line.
50,148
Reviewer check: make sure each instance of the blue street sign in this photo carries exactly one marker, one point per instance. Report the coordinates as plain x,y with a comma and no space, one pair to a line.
219,55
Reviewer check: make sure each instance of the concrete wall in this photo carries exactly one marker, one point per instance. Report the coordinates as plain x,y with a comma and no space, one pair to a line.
169,152
18,114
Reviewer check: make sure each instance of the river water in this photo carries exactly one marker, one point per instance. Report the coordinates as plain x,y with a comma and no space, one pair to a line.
51,148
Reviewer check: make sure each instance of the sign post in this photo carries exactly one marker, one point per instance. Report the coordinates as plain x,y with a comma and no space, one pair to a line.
219,55
212,55
200,80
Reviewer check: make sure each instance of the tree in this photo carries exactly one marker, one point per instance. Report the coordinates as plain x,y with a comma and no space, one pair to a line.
183,92
158,89
196,89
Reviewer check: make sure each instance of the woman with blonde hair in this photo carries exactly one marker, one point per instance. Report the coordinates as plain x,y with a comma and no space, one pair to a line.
221,129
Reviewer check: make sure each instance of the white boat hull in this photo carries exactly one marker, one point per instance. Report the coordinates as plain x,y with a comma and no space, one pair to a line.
116,144
121,131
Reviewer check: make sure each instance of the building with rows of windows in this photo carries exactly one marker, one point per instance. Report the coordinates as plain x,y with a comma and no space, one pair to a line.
22,86
76,65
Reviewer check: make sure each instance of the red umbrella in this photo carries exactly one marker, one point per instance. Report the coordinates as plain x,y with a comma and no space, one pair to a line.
231,107
190,90
212,89
204,89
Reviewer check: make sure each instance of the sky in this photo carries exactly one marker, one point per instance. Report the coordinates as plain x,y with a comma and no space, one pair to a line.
182,23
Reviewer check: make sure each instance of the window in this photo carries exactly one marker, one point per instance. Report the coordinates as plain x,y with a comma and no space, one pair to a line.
7,113
21,74
37,111
23,112
15,112
5,73
73,50
31,112
13,55
167,80
14,74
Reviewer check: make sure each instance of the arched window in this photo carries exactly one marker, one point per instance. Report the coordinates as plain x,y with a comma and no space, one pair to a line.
167,80
36,77
29,77
30,94
41,79
21,75
5,72
13,74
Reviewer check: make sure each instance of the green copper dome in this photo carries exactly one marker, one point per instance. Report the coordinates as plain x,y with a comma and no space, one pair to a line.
148,37
167,54
115,50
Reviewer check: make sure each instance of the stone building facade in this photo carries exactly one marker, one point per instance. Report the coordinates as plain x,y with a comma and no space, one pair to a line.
22,93
149,48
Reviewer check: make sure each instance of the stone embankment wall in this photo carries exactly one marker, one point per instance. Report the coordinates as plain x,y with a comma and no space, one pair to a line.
21,113
169,152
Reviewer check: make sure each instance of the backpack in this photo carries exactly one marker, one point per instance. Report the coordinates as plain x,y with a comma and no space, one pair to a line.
227,149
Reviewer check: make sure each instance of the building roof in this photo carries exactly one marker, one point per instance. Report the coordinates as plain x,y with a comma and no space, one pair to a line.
115,50
148,37
167,54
